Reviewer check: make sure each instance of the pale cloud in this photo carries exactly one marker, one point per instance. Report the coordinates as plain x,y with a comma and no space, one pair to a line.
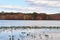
37,6
51,3
9,8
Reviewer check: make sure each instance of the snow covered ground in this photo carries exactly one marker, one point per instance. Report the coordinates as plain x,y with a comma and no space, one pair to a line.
30,34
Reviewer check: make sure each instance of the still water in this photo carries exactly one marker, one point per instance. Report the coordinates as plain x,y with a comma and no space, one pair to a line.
29,23
29,34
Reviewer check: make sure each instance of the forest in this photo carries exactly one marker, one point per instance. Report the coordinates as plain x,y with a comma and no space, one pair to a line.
28,16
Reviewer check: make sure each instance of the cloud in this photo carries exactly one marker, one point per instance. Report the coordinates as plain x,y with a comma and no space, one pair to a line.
9,8
44,6
51,3
15,8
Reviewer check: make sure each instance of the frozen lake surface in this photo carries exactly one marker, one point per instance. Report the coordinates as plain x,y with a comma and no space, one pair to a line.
30,34
29,23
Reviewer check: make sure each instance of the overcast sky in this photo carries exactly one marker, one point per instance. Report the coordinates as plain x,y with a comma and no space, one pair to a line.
47,6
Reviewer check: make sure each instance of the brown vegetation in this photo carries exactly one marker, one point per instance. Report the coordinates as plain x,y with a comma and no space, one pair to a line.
29,16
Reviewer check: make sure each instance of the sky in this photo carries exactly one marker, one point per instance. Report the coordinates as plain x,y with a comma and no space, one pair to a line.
28,6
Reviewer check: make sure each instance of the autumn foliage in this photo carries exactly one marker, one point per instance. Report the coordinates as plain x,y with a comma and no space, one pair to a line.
28,16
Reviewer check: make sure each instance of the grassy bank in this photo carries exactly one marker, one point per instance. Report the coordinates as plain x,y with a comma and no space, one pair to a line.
30,27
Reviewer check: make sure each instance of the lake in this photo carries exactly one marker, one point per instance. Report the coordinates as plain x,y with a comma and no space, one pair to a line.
29,34
29,23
